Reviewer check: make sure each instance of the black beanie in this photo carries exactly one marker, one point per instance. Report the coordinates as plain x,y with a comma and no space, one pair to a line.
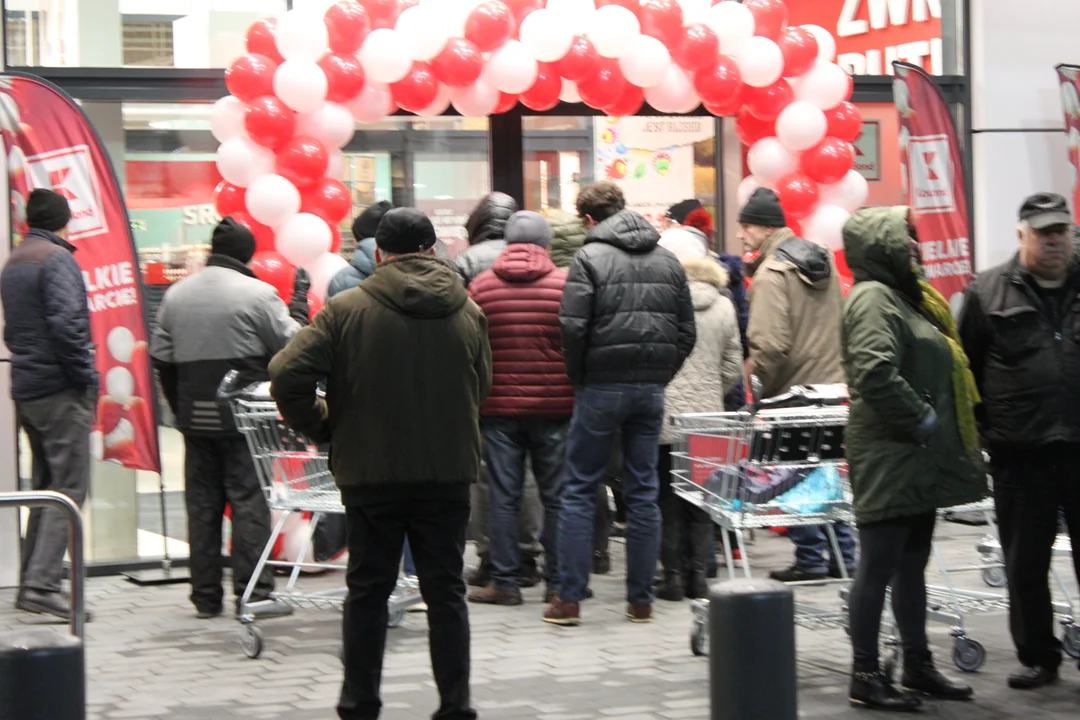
680,210
763,208
47,210
233,240
367,223
405,230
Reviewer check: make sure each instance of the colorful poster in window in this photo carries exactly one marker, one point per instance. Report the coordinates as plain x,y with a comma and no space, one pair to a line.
1070,102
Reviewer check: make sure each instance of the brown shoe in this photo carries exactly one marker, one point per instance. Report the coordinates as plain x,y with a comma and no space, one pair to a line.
639,613
494,595
551,593
560,613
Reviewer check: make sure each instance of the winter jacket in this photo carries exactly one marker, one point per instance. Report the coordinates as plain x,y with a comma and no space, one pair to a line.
361,267
715,365
626,314
686,243
569,236
520,296
1025,354
486,227
899,374
737,286
46,319
220,319
407,366
795,314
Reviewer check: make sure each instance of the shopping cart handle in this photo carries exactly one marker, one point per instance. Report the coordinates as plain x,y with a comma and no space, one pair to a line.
807,396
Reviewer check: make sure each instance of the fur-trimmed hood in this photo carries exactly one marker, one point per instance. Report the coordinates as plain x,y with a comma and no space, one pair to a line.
708,281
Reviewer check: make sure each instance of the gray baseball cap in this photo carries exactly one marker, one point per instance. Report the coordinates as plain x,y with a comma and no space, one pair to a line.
1043,210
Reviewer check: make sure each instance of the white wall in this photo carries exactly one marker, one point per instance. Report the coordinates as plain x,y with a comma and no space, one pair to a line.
9,476
1019,145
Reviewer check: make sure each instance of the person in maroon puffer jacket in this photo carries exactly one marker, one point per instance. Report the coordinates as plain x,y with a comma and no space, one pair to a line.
531,399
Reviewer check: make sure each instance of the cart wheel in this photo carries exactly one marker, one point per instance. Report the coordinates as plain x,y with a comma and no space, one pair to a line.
394,617
995,577
1071,641
251,640
968,655
699,640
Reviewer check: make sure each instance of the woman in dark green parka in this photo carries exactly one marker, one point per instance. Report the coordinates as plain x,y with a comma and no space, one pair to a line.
912,447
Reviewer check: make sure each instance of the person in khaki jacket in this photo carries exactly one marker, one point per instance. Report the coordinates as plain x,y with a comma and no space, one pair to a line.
796,312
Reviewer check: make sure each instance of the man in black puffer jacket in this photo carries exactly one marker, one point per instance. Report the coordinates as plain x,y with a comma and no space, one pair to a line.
627,327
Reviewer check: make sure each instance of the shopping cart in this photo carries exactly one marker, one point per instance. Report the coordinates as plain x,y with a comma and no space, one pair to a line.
295,478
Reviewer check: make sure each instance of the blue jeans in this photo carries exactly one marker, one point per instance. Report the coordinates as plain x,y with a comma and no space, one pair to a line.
507,441
601,413
812,543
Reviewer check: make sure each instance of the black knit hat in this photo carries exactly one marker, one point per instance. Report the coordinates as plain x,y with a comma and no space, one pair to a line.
233,240
405,230
367,223
763,208
47,210
680,210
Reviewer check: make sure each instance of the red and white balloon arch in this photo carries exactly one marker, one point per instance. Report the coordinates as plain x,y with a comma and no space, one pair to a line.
310,76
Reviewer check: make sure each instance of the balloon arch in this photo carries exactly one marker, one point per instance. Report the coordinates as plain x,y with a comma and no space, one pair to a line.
309,77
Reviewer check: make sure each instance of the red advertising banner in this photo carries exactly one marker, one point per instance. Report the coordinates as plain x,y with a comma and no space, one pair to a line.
50,143
1070,102
932,171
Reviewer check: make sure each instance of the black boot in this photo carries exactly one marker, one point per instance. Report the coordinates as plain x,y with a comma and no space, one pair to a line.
921,676
672,587
873,690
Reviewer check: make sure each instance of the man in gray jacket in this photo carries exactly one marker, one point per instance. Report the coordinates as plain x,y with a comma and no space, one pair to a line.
221,319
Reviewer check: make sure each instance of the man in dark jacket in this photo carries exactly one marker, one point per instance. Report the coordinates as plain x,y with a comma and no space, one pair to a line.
53,384
627,327
407,365
531,398
363,259
220,319
1020,326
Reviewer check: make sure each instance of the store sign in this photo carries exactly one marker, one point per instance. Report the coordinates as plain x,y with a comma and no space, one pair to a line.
868,151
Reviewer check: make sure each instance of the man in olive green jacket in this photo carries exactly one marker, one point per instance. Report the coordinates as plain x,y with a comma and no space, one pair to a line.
407,364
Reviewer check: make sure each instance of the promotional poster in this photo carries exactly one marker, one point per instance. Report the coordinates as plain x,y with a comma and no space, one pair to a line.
1070,102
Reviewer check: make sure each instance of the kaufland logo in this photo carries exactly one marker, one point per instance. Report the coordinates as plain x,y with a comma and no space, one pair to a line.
70,173
931,174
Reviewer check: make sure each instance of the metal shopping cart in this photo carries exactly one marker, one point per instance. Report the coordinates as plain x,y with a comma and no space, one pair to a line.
295,478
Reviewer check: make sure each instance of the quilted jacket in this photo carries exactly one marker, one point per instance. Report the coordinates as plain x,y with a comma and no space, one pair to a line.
569,236
487,229
360,269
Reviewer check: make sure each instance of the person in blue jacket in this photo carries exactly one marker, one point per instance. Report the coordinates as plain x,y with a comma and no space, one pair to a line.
363,260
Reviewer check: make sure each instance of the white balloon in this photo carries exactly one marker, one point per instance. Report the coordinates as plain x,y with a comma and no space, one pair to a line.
733,23
746,188
826,85
479,100
801,126
512,68
271,199
303,238
674,92
427,30
769,160
386,56
613,30
439,105
850,193
648,64
120,385
227,119
335,167
301,34
323,270
695,11
372,104
569,92
301,84
825,41
331,124
825,226
760,62
574,14
546,35
121,343
240,161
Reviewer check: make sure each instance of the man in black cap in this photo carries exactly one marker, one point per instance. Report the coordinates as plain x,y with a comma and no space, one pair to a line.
53,383
1020,326
407,364
220,319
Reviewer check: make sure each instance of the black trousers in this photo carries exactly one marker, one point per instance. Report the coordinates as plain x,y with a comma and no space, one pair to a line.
219,471
894,554
435,524
684,526
1029,492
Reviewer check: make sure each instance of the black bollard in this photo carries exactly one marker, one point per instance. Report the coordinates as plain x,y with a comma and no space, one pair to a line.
752,650
42,676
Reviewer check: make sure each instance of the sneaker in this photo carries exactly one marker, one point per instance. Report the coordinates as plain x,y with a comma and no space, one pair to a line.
560,613
639,613
494,595
57,604
794,574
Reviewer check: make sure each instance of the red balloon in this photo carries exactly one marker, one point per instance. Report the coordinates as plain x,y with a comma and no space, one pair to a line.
251,76
262,39
417,90
384,13
605,87
580,62
798,195
767,102
458,65
544,93
633,6
264,236
629,103
344,77
506,102
269,122
698,47
770,17
663,20
303,160
348,24
228,198
750,129
720,87
490,25
523,8
800,50
845,121
327,198
275,270
828,161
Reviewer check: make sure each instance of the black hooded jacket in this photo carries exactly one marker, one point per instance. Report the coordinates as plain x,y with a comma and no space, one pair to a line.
487,229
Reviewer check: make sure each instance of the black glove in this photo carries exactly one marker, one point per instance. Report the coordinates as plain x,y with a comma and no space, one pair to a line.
298,306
